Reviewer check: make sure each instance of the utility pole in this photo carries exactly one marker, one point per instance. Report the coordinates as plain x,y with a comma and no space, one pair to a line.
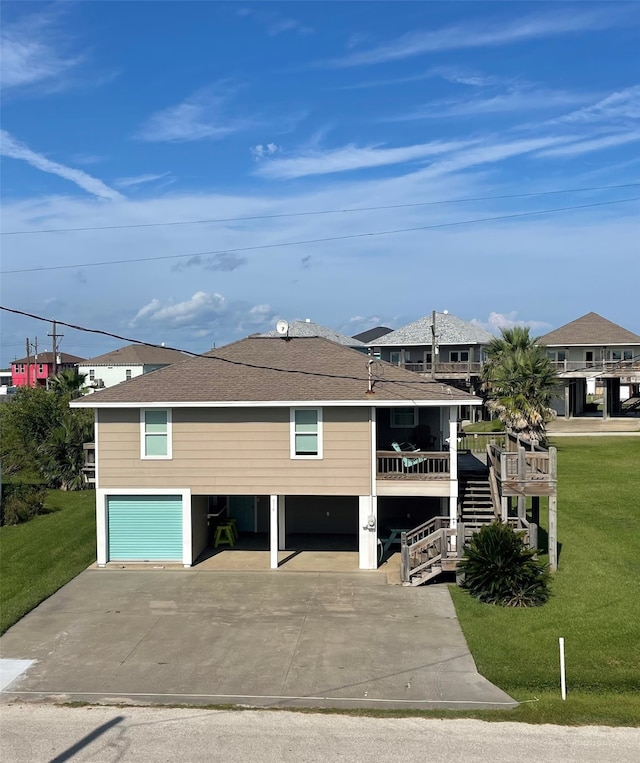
433,345
54,342
28,362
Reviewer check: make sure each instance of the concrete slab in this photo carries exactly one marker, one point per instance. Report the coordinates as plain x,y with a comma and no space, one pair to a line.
273,638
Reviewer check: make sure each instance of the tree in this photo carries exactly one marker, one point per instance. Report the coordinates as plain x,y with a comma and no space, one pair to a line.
69,382
519,383
43,438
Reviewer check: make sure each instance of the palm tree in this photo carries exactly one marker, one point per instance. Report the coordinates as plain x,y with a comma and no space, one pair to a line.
68,382
519,383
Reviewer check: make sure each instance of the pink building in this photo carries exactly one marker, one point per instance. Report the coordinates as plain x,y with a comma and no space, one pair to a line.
35,370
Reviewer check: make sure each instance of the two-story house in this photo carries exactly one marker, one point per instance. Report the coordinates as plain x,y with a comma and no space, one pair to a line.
440,346
126,363
591,351
33,371
298,437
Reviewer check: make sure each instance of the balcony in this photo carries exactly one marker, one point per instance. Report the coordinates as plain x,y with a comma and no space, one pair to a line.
412,465
451,370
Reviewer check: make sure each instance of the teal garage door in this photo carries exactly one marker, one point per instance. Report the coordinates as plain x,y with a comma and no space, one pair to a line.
144,528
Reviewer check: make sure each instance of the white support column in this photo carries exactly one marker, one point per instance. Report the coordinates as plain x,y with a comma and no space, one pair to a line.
367,535
282,526
187,531
273,532
453,466
101,527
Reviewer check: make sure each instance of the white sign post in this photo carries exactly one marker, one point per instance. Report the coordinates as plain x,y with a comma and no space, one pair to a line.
563,679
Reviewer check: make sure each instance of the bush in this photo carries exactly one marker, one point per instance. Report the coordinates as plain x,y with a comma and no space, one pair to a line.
498,568
20,503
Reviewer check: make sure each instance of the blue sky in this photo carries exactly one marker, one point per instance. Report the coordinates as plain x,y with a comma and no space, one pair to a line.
120,114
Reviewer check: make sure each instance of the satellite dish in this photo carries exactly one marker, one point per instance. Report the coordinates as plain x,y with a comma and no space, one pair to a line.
282,327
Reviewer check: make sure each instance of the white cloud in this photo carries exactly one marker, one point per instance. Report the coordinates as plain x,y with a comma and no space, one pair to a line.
513,100
621,105
352,158
30,52
205,313
488,34
259,152
497,321
139,179
596,144
15,149
198,117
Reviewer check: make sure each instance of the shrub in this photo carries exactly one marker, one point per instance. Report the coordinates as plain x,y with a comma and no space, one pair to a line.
498,568
20,503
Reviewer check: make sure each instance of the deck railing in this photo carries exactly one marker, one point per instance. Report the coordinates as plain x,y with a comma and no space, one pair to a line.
442,369
422,464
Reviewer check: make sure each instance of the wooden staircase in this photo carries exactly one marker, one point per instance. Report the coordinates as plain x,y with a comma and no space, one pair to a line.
476,506
427,551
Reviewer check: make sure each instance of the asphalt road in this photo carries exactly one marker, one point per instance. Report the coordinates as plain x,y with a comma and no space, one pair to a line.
31,733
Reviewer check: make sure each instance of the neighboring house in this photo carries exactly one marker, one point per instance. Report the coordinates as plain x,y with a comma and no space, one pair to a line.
594,351
308,328
36,369
440,346
126,363
295,436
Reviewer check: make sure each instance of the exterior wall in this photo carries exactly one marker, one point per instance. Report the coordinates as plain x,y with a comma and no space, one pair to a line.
38,373
417,353
110,375
225,451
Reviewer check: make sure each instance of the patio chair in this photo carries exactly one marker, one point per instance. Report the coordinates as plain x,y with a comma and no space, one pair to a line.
403,447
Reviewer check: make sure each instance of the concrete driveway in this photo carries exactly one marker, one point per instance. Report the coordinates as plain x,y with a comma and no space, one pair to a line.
270,639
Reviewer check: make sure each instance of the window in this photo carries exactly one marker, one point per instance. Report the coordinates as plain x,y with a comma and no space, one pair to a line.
404,417
616,355
394,358
306,433
155,428
92,374
459,357
627,355
40,368
128,374
588,357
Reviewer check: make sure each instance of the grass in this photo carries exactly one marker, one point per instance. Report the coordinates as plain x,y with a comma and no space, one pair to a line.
495,425
41,555
594,605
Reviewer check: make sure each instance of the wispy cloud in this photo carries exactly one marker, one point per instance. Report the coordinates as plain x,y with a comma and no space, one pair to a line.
14,149
621,105
260,151
274,23
226,261
596,144
31,51
352,158
139,179
497,321
478,35
201,116
513,100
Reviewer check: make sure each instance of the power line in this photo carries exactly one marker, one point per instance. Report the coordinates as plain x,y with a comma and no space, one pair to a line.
318,212
211,356
237,250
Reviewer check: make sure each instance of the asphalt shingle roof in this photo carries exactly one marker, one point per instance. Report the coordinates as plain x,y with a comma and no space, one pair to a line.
136,354
449,330
259,369
47,357
590,329
311,329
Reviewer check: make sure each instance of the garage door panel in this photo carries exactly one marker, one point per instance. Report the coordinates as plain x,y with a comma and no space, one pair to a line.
144,528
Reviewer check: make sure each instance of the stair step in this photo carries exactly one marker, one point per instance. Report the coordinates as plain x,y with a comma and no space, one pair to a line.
424,577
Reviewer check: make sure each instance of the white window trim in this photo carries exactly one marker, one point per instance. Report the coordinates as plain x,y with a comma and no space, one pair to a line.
393,424
143,454
292,434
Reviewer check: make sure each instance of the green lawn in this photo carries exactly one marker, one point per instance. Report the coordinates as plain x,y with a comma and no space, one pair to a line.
40,556
595,603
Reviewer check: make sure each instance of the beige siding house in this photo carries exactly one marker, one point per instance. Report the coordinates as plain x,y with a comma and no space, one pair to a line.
293,439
